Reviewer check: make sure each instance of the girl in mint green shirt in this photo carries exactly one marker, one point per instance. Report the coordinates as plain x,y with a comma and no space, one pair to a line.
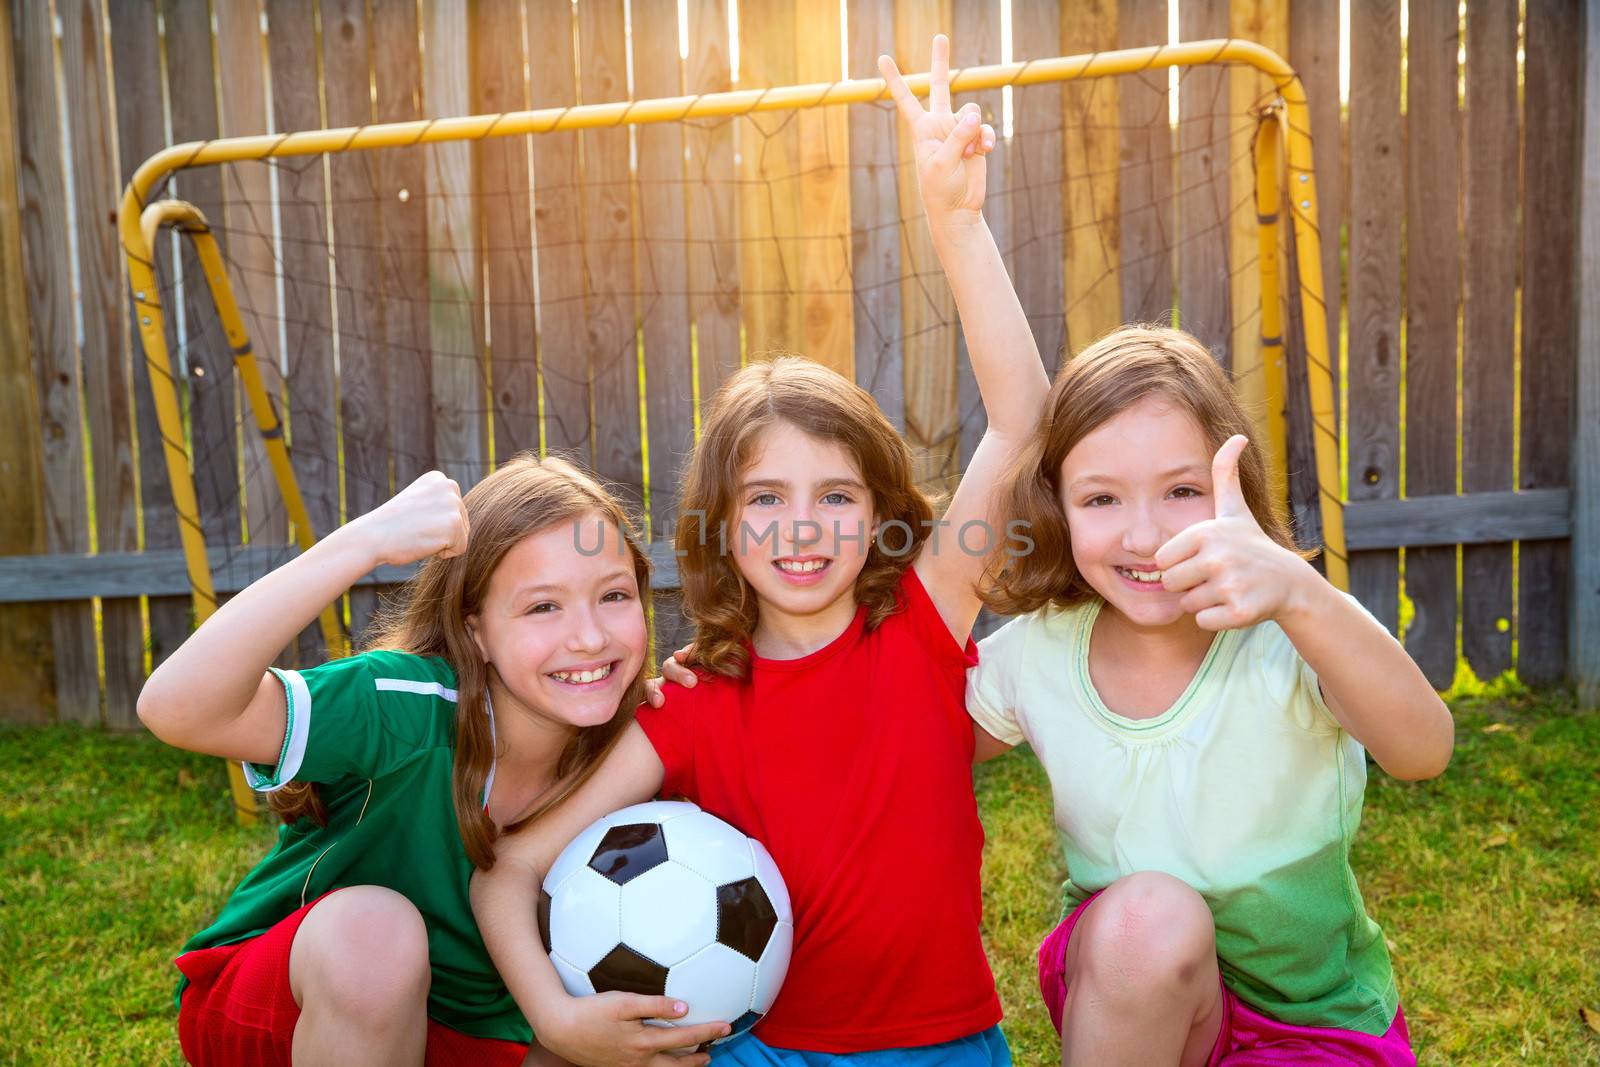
1202,700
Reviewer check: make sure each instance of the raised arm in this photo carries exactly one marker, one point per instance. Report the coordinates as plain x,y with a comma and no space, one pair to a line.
951,174
608,1029
214,694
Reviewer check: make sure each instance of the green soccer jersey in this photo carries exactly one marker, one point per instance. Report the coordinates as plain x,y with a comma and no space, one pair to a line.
376,732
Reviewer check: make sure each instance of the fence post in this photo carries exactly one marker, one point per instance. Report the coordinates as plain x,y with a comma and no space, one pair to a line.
27,688
1585,651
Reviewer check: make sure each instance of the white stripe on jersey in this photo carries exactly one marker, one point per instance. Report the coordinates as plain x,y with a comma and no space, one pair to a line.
406,685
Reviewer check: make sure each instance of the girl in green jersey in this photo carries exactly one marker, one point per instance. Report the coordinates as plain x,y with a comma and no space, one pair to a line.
490,691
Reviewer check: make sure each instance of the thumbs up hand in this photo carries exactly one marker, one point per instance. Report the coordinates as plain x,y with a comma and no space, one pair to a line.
1231,573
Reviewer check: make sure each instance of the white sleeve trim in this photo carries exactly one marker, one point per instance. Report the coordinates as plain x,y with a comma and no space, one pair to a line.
296,729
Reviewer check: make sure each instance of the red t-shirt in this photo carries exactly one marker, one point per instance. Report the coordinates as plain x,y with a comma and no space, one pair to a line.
853,765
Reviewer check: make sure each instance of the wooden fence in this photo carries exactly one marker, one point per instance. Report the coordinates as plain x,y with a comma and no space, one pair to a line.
560,300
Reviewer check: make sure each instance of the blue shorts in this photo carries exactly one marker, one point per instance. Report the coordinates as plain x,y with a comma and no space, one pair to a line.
986,1048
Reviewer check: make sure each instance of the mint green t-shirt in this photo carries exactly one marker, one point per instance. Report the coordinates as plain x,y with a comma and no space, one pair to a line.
1246,788
376,732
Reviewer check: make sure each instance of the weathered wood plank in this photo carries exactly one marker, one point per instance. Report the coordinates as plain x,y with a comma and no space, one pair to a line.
247,239
976,42
154,572
1553,76
663,300
505,195
826,324
1488,321
713,205
1496,518
612,339
403,213
875,156
1145,177
42,202
204,359
1433,258
769,209
1265,22
1036,196
1375,212
1204,197
1091,108
455,309
933,422
1585,643
103,340
381,274
670,631
136,64
1314,53
309,386
563,369
27,665
162,572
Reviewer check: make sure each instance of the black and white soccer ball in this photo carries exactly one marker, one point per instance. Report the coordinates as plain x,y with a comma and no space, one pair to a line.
665,899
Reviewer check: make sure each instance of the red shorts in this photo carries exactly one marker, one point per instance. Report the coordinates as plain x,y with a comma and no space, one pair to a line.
238,1010
1248,1038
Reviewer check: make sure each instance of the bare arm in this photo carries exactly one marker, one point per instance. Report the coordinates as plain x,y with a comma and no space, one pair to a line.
214,694
987,746
605,1030
1372,686
951,174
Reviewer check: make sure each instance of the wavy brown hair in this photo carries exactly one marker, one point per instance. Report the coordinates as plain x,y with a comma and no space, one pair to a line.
525,496
827,406
1111,375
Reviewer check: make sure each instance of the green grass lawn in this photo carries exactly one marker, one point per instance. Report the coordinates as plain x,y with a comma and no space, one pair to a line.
113,849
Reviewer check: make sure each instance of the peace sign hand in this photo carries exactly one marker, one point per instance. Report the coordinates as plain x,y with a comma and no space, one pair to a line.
950,146
1231,573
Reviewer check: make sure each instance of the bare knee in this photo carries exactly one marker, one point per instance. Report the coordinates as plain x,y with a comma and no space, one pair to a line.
1147,932
363,953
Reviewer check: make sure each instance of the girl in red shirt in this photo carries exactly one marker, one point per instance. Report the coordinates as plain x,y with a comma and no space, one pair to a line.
832,616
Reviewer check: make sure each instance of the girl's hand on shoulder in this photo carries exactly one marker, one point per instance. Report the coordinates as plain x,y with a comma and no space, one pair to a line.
426,518
608,1030
950,146
1231,573
672,670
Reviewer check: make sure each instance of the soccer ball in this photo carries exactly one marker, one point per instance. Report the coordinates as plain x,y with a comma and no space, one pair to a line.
665,899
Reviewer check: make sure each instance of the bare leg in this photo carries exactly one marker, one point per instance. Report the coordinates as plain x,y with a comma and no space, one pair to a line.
1142,985
539,1056
359,971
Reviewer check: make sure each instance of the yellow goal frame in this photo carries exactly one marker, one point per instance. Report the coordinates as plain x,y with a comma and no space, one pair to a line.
1283,130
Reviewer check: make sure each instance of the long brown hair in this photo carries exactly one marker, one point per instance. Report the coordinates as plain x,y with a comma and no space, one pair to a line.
428,618
825,405
1111,375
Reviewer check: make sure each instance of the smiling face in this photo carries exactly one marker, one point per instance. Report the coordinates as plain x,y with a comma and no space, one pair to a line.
562,625
802,523
1127,488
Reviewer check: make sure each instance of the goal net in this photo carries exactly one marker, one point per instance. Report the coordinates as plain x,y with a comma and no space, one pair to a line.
580,279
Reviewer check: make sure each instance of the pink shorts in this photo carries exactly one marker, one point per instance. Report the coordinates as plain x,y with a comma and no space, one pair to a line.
1248,1038
238,1010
